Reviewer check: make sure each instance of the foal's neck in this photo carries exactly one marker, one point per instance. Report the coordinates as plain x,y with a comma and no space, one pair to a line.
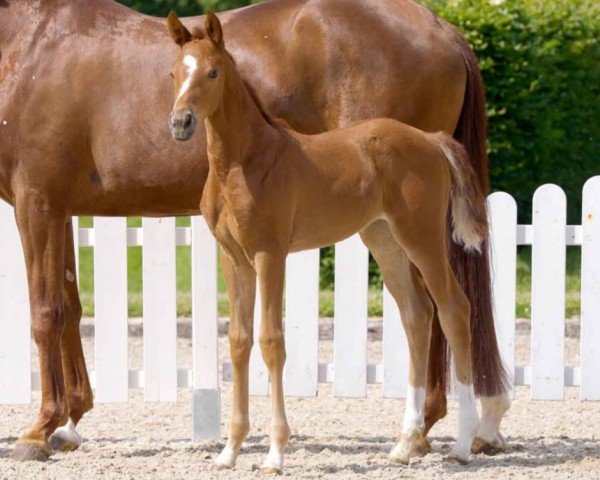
237,131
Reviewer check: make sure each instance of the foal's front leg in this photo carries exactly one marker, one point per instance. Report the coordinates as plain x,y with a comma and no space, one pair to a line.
270,268
241,289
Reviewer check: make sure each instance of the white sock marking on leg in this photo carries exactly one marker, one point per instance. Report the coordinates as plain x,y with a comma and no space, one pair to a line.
227,457
468,421
414,419
412,426
274,458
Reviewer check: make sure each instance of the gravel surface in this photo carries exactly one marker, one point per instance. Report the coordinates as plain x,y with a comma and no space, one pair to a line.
332,437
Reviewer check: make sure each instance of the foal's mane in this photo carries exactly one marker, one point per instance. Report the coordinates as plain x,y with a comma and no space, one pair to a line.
279,124
274,122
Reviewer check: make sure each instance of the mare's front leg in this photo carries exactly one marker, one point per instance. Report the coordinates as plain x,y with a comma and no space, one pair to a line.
241,289
42,230
270,268
79,391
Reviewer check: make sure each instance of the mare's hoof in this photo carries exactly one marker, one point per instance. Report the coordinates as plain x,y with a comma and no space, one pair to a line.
488,448
28,452
270,471
64,440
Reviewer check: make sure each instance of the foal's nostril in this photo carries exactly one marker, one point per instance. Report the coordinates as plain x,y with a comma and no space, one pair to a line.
188,120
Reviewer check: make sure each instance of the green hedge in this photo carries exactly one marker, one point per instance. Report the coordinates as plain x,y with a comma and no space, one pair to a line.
541,65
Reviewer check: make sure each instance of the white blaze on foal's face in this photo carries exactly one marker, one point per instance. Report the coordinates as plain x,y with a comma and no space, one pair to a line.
192,65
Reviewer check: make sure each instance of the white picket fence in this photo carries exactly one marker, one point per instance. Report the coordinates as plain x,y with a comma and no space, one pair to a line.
547,375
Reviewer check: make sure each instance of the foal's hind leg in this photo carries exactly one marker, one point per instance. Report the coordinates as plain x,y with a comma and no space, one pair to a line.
426,247
416,310
79,391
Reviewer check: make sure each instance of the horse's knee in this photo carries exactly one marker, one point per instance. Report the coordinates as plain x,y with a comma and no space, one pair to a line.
48,323
240,345
73,311
272,346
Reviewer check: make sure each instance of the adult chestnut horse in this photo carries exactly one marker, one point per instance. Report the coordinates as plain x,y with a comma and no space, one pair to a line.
84,93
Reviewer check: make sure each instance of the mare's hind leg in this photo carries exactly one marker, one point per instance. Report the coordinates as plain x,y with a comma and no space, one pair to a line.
425,245
79,391
416,310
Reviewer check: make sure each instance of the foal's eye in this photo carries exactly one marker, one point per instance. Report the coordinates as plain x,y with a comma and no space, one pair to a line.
213,74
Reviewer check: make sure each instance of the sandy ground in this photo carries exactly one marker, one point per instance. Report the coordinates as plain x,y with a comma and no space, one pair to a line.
332,438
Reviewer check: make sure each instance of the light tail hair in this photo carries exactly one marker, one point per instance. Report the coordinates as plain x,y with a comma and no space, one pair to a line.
469,212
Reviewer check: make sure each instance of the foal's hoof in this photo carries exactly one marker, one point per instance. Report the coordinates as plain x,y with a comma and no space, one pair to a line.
270,471
422,447
29,452
456,460
488,448
64,439
221,465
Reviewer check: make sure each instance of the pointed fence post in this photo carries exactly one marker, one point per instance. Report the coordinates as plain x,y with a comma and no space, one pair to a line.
15,321
395,350
110,301
590,291
160,310
301,375
548,293
350,318
205,335
502,210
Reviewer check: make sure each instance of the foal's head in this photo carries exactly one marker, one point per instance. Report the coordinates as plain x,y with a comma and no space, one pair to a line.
198,73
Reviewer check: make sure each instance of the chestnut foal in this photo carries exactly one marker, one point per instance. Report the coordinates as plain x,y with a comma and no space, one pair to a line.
271,191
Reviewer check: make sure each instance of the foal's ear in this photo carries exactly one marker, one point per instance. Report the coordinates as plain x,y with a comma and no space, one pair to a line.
177,30
213,29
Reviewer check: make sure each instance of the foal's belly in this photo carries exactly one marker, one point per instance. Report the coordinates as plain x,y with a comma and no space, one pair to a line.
326,219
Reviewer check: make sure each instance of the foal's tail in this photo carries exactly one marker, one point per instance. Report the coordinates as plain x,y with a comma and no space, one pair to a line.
469,213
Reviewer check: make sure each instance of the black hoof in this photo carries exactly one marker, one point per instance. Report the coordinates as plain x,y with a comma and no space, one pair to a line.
27,452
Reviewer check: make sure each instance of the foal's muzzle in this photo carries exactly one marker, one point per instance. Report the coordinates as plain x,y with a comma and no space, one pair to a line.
183,124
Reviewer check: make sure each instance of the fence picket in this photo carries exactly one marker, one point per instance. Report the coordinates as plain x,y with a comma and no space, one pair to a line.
590,291
301,374
160,310
75,227
395,350
503,257
205,335
259,375
15,361
548,293
110,301
350,318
